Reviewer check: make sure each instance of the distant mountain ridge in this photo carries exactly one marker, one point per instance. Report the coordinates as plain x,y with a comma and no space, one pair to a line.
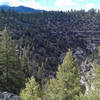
20,9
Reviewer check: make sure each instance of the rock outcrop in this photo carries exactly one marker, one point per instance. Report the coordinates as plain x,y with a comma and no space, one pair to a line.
85,73
9,96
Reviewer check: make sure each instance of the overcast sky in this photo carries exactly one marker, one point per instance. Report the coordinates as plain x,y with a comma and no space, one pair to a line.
54,4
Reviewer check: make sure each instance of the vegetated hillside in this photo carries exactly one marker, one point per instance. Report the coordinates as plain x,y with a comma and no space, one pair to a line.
19,9
47,36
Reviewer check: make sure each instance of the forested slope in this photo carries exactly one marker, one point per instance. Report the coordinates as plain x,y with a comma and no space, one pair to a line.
46,36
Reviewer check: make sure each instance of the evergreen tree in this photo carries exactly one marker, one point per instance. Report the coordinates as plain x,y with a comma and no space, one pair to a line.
27,67
66,86
11,74
40,75
31,91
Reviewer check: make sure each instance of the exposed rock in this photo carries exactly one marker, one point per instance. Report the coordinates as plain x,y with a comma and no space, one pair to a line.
9,96
85,73
85,64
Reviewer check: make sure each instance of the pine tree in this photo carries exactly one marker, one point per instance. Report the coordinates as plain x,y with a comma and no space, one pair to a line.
11,74
40,76
66,86
31,91
27,67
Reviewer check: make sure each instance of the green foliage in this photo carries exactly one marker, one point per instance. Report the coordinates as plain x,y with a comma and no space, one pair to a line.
97,75
92,95
27,67
66,86
40,75
31,91
45,34
99,50
11,73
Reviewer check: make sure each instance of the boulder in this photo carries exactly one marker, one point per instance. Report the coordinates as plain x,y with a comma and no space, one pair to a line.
9,96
